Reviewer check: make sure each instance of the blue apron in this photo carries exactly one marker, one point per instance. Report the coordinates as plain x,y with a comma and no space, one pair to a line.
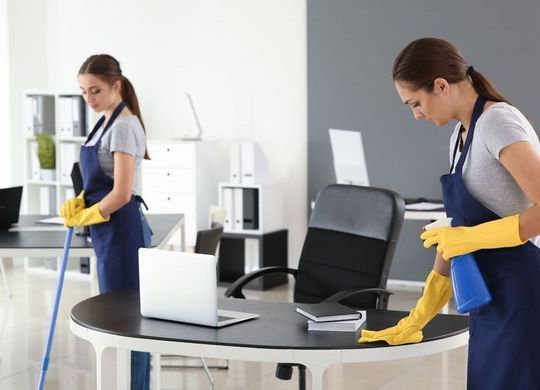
504,343
117,241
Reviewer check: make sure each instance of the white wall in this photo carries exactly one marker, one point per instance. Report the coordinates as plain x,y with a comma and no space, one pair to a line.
243,61
27,68
5,163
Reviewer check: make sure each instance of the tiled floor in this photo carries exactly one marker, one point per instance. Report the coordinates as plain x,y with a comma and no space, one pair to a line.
24,321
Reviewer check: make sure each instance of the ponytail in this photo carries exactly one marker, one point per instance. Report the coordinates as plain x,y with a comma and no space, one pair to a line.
130,98
485,88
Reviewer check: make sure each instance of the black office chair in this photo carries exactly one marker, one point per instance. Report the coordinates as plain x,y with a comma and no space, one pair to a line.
351,239
207,241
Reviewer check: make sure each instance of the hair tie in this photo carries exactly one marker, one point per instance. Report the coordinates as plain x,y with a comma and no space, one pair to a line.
470,70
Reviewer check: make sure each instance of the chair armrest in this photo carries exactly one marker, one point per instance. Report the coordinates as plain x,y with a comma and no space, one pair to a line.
235,290
381,292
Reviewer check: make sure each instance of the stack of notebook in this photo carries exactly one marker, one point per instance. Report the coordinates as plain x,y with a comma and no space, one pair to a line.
331,316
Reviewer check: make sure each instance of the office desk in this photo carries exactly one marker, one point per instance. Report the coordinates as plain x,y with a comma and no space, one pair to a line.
419,215
31,239
431,215
279,335
424,215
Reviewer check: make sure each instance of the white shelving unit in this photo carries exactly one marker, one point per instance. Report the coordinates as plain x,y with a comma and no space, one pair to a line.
181,177
268,207
46,111
67,148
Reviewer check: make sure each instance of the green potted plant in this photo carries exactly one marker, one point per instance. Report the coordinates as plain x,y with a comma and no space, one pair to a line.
46,156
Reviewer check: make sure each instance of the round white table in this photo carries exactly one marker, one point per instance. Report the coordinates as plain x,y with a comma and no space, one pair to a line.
278,335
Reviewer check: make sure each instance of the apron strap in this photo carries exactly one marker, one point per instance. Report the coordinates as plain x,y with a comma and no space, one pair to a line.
140,201
477,111
101,120
456,146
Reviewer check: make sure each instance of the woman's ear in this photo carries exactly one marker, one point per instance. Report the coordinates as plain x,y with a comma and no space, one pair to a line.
441,85
117,86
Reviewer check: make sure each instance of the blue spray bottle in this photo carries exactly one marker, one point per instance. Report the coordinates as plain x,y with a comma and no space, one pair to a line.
470,290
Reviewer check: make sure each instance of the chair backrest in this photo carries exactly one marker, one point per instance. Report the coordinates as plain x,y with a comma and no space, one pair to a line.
216,214
208,240
350,243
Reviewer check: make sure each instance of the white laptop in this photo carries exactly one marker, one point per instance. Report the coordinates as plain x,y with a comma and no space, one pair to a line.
180,286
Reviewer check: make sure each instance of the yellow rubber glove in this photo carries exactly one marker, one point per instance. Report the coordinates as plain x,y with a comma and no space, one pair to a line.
437,292
85,217
455,241
72,206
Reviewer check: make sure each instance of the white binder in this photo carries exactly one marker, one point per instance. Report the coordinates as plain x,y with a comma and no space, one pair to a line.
77,119
29,112
229,208
238,208
34,161
69,153
235,166
254,164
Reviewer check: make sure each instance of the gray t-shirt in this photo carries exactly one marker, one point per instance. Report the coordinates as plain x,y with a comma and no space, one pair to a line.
125,135
484,176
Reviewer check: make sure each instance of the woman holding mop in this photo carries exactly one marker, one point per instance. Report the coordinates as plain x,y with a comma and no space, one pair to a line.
110,164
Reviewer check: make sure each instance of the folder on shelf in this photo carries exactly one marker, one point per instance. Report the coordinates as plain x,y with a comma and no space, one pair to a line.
250,208
235,165
66,119
69,154
29,107
35,115
238,208
229,207
43,114
34,162
253,162
78,116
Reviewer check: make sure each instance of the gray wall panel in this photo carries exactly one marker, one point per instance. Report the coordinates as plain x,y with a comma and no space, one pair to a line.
351,49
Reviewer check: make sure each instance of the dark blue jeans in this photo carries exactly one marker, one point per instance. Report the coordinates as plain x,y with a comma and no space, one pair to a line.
140,370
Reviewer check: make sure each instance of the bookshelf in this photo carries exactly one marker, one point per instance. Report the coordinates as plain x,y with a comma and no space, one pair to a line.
254,235
66,118
251,208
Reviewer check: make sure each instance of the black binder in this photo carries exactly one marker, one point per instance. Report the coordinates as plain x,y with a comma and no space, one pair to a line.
76,179
250,208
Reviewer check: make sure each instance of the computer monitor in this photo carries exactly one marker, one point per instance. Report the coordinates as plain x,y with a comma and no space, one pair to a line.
349,158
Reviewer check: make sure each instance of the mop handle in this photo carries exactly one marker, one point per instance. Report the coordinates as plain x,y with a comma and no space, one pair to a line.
45,363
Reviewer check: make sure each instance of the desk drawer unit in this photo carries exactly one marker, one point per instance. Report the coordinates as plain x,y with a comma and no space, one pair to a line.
182,177
172,155
169,180
163,203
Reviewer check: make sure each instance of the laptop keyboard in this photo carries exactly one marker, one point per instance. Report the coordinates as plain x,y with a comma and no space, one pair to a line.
224,318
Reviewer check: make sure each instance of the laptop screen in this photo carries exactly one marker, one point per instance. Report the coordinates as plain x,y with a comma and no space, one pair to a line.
178,286
10,204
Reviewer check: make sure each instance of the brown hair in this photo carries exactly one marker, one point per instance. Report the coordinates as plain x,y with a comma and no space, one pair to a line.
107,68
425,59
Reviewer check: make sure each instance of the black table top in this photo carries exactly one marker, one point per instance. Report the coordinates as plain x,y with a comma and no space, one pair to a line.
161,226
278,327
